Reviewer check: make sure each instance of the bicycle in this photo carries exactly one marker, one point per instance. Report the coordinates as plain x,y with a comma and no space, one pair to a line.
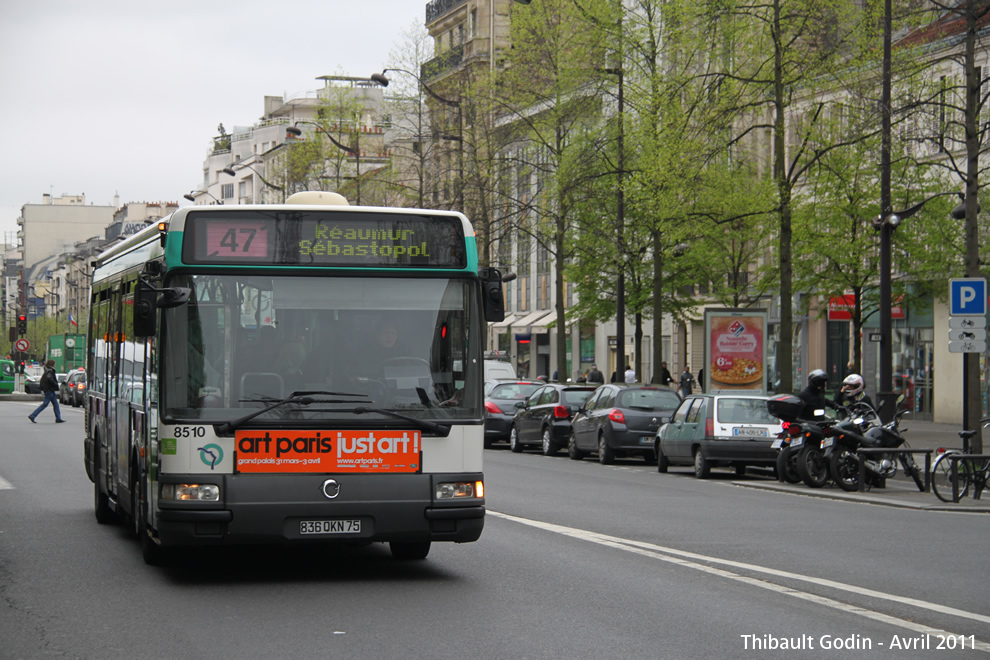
973,472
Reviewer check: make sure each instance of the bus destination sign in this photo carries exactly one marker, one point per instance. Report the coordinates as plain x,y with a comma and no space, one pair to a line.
324,239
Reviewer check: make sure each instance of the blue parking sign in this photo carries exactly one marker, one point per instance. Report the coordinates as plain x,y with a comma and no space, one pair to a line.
968,296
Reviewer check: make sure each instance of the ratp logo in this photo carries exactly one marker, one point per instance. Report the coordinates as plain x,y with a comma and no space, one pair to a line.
211,454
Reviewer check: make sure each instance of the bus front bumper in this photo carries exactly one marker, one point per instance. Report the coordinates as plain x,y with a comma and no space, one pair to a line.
279,508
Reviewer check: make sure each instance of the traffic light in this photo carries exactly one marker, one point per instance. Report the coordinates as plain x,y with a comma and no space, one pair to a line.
22,325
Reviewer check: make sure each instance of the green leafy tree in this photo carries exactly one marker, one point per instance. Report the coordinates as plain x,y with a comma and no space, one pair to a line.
550,108
783,54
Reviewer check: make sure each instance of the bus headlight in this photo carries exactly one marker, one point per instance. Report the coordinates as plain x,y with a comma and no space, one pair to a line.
191,492
457,489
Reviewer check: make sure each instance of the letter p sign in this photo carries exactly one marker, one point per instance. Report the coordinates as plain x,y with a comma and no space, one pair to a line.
968,297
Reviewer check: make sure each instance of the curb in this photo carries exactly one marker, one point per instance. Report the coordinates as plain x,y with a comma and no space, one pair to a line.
894,496
21,396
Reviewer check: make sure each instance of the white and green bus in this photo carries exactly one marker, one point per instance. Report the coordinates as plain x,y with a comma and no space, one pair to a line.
307,372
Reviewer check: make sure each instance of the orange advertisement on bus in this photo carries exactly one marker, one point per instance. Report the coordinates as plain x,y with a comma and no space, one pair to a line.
328,451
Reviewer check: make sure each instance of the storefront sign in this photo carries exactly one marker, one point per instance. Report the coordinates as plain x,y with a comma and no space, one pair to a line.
841,308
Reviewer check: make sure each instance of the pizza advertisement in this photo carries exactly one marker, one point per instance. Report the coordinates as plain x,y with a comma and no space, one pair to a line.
736,350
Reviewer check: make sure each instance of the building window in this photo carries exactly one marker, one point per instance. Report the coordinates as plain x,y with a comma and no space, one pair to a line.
227,191
474,23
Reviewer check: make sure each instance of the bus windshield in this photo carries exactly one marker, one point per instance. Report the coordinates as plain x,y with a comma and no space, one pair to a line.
409,345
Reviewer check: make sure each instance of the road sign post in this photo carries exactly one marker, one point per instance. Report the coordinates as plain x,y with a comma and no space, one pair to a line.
967,327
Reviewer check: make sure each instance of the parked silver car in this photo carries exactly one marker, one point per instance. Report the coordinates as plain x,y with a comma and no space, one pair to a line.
718,430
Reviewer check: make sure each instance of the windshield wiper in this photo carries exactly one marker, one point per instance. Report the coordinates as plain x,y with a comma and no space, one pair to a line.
302,398
306,398
424,425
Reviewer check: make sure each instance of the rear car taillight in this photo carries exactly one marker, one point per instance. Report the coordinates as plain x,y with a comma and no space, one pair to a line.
616,416
561,412
492,408
709,427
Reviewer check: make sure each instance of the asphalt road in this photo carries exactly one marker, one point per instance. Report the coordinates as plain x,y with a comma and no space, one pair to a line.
578,560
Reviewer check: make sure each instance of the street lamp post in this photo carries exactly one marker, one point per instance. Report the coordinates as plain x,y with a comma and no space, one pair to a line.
191,196
459,138
354,151
231,172
620,202
886,224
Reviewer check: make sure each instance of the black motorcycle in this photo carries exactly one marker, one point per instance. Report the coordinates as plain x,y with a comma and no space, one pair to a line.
799,444
804,444
786,467
814,460
844,462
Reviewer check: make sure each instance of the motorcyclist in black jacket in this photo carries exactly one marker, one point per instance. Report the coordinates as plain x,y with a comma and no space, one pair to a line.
813,395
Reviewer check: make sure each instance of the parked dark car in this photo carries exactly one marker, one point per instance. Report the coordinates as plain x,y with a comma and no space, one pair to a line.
621,420
501,397
62,380
718,430
75,388
32,385
544,419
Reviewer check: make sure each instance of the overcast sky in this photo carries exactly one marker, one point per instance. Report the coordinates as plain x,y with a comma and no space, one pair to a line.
104,97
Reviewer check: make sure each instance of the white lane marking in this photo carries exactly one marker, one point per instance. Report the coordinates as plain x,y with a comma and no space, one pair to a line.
5,485
675,557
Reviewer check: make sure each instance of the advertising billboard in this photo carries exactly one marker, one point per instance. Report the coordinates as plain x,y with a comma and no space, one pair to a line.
735,350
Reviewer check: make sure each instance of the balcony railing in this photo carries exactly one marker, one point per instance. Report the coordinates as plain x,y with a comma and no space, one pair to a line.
438,8
442,63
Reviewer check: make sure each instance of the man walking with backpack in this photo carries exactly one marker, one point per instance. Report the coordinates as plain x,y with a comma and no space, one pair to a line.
49,386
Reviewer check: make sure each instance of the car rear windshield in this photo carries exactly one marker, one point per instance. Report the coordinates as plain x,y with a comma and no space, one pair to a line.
518,391
577,397
647,399
744,411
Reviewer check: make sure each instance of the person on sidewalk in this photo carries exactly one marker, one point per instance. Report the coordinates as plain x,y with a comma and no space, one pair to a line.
686,382
49,386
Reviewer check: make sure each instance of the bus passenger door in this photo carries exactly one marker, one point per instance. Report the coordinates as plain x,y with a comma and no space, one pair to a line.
116,468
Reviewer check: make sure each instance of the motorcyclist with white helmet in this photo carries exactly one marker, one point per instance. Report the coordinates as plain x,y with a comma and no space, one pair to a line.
853,391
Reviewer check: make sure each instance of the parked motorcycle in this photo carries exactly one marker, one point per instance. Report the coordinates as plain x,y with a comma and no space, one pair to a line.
813,461
804,445
844,463
797,439
786,467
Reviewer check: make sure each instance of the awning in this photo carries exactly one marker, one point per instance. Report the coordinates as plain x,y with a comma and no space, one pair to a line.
539,327
545,321
506,322
530,320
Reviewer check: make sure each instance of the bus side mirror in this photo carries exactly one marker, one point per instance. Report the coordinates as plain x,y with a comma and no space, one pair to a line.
148,300
145,317
491,291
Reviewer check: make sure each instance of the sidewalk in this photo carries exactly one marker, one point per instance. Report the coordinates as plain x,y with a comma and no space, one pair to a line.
900,491
932,435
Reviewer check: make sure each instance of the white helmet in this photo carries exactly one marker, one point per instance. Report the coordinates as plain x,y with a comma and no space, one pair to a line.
853,384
